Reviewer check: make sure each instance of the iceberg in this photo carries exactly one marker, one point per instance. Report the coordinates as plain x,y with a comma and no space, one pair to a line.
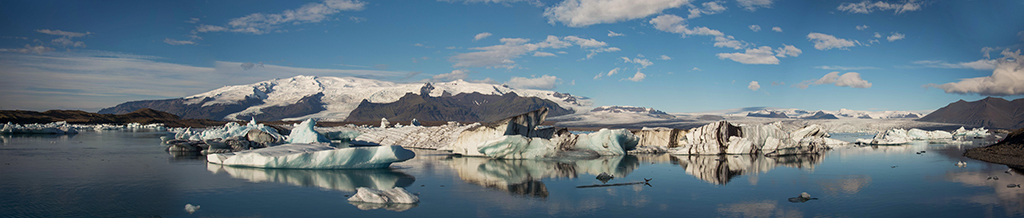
229,130
973,133
519,137
395,199
304,133
59,128
900,136
314,156
771,139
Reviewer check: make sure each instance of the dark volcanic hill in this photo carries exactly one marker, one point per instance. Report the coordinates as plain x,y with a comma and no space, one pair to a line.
996,113
464,107
143,116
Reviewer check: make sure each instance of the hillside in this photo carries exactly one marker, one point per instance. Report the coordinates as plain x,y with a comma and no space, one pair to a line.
991,112
464,107
143,116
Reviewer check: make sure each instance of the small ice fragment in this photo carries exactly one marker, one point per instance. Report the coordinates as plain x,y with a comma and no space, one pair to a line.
191,209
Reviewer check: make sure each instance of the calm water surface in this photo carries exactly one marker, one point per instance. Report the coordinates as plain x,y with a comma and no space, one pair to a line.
126,174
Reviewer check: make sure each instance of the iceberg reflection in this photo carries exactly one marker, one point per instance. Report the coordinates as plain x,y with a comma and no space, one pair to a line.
343,180
522,177
720,169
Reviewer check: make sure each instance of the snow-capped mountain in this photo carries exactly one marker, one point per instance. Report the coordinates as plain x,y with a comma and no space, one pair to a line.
823,114
328,98
614,115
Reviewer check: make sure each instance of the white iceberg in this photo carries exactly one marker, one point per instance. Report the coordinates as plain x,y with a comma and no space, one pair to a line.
231,129
900,136
35,128
396,195
969,134
607,142
304,133
773,139
314,156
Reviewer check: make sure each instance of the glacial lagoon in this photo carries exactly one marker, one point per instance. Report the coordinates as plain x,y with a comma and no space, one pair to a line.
128,174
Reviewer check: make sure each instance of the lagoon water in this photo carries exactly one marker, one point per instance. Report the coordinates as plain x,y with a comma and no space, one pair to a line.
127,174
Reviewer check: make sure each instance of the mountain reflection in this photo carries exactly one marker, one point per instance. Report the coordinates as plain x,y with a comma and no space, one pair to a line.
344,180
522,177
720,169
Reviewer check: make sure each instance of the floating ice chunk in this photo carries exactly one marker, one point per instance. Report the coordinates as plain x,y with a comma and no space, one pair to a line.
517,147
35,128
231,129
395,195
315,156
973,133
608,142
414,122
191,209
384,123
304,133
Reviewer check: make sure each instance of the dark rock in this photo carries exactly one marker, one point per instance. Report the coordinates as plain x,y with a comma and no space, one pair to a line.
1010,151
464,107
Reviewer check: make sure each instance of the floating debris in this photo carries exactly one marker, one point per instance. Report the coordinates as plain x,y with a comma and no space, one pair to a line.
646,182
961,164
804,197
604,177
191,209
992,178
894,166
1013,185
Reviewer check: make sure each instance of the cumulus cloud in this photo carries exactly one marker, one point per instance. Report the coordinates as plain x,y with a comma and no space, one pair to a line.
895,36
178,42
1006,79
480,36
543,54
642,62
454,75
850,79
983,64
866,7
675,24
609,73
637,77
760,55
582,13
826,42
777,29
260,23
543,82
503,55
755,28
787,50
862,27
753,86
665,57
752,5
713,7
614,34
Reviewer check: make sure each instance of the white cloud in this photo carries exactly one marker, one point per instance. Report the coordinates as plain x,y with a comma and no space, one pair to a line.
454,75
761,55
642,62
753,86
866,7
357,19
192,20
614,34
609,73
895,36
543,54
39,49
503,55
675,24
787,50
543,82
582,13
826,42
665,57
260,23
480,36
637,77
850,79
755,28
862,27
709,9
983,64
696,69
844,68
752,5
178,42
65,38
878,35
1006,79
777,29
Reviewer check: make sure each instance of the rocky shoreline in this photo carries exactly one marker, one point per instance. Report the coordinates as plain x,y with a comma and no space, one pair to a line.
1010,151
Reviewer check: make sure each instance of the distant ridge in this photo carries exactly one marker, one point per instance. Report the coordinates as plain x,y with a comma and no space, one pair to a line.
143,116
464,107
990,112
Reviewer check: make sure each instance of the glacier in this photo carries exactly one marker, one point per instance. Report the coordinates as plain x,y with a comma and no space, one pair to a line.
314,156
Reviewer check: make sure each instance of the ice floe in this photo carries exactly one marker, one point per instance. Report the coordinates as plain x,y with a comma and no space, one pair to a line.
314,156
899,136
773,139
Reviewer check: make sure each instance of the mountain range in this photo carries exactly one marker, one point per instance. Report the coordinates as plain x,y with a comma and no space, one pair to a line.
335,98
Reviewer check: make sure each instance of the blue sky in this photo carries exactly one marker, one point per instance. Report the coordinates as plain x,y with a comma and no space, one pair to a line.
673,55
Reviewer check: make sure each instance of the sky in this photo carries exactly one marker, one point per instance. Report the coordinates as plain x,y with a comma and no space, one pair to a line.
672,55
